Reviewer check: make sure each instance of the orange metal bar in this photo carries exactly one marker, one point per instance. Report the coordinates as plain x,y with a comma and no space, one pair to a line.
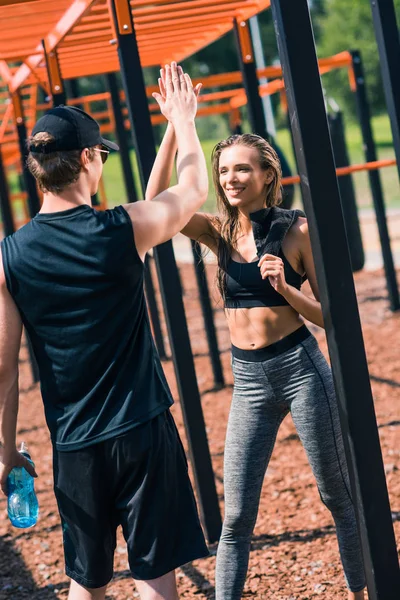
341,171
245,41
184,7
216,16
18,114
123,13
352,78
55,80
5,121
5,72
189,12
64,25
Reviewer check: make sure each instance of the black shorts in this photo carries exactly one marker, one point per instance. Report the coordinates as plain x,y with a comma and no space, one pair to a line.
139,480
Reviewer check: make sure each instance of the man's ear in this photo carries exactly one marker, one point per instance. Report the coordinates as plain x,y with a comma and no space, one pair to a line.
85,159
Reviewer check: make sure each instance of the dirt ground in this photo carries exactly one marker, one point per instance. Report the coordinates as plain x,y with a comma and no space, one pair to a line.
294,553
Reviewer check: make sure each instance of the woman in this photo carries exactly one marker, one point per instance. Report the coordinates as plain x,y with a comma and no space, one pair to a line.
264,254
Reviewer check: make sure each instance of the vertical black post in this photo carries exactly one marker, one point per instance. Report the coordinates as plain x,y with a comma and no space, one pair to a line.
29,180
347,193
135,92
153,309
387,37
364,116
120,131
254,102
208,315
130,189
61,98
250,79
5,205
72,90
339,303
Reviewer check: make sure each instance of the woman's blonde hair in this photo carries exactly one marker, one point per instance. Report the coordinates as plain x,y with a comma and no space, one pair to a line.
54,171
228,220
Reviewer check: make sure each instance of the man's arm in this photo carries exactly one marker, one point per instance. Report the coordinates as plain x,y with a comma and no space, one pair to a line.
158,221
10,341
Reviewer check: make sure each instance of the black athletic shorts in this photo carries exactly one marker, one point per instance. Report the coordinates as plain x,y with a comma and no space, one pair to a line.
139,480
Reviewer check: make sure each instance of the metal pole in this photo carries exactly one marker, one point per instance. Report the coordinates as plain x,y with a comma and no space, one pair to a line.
5,205
346,188
130,189
375,180
254,103
72,90
135,92
208,315
120,131
250,79
59,95
260,64
338,299
29,180
387,37
153,309
57,87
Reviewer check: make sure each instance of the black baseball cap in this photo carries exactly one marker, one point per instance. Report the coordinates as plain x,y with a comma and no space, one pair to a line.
72,129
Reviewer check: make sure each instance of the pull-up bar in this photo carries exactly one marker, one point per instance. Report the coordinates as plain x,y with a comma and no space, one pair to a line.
341,171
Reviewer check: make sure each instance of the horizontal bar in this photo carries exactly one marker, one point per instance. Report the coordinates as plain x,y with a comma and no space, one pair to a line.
341,171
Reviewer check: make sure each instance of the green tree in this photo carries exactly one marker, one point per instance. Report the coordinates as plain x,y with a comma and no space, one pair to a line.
348,25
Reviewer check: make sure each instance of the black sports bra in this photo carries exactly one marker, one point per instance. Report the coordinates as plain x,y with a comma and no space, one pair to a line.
245,287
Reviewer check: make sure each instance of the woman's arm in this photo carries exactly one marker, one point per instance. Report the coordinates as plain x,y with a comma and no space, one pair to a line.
200,227
307,307
273,267
161,172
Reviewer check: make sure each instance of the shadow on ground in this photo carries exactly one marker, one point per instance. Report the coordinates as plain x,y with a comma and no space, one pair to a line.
16,581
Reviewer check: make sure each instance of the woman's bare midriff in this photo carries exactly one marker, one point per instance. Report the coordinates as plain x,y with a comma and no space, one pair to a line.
253,328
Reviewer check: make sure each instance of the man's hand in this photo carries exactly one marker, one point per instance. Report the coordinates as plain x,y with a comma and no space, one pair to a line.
177,98
9,460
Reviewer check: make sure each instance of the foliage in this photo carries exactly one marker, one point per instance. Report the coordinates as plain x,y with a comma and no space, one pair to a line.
349,26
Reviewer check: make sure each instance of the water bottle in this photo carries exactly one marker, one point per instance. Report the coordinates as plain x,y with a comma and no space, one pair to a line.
22,504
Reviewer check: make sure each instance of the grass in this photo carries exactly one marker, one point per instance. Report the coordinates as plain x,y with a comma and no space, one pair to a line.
383,137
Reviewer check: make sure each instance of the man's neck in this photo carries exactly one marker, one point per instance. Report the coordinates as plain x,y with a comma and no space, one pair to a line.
66,200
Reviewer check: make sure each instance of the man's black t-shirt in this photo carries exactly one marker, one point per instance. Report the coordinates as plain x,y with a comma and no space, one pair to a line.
77,281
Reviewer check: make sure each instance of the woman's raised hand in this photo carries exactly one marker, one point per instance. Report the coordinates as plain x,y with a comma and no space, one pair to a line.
177,98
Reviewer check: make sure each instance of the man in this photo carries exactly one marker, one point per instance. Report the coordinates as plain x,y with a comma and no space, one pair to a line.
73,277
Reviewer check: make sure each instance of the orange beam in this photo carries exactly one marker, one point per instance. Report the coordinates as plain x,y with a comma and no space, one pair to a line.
341,171
64,25
7,2
5,121
176,12
246,47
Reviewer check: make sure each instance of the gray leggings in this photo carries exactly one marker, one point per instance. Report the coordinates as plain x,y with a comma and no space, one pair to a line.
273,382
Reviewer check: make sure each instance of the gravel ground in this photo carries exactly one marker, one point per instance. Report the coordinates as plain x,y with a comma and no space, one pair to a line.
294,553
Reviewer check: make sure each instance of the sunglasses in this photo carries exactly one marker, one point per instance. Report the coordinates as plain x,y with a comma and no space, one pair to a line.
104,154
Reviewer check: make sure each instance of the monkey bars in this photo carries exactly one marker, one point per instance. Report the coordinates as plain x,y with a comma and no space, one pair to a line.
83,34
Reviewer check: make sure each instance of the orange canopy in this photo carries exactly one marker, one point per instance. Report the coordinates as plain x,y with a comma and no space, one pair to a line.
83,34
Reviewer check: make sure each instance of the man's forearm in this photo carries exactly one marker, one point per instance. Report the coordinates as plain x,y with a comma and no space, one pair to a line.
10,394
